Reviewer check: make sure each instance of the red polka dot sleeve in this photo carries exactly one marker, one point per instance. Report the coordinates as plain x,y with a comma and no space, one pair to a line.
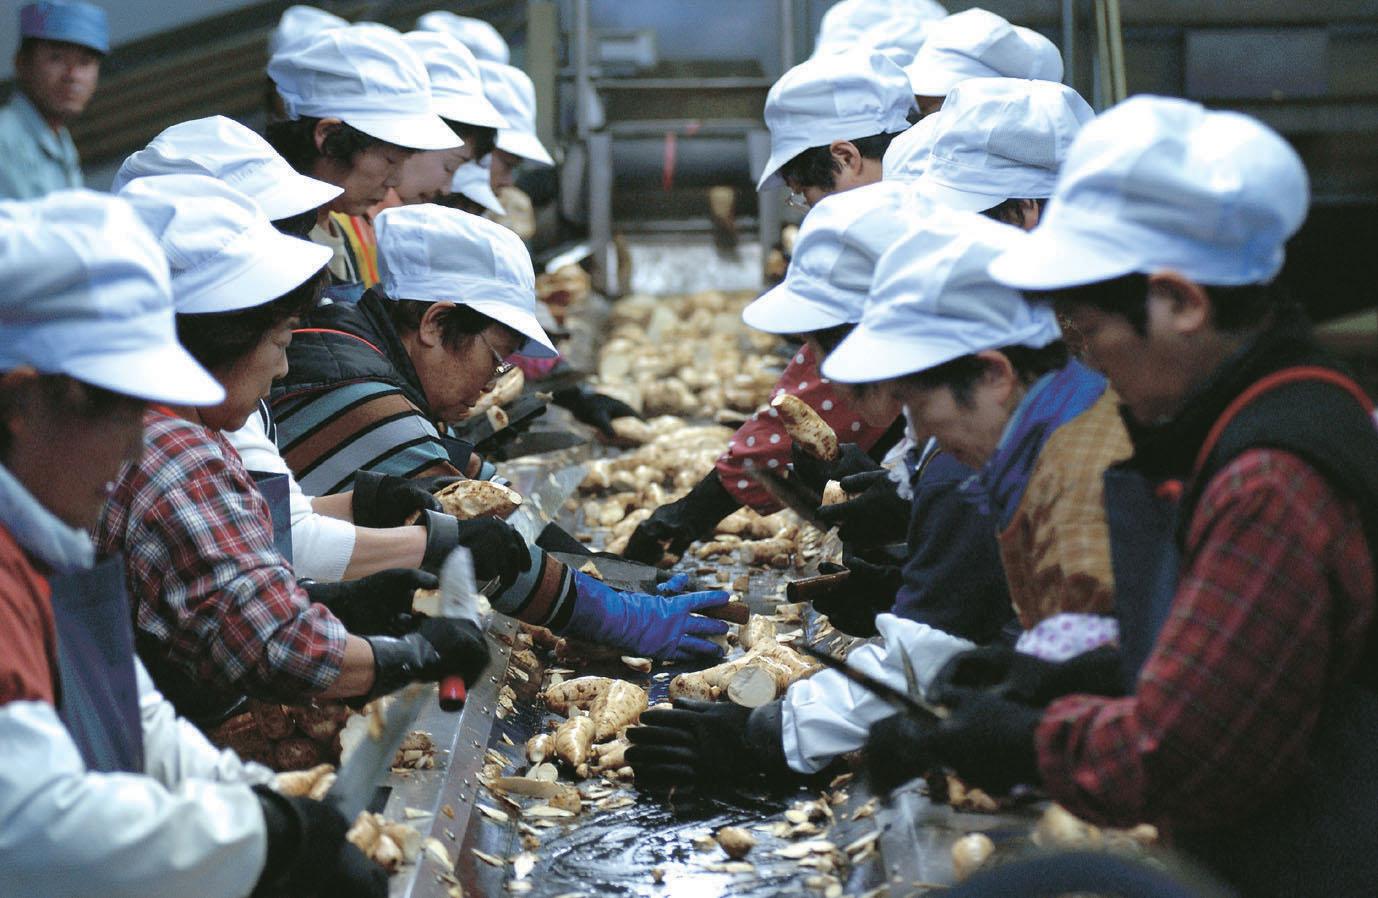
762,441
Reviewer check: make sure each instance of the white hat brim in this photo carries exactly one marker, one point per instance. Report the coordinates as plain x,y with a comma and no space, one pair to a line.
280,264
782,311
537,346
478,191
1056,257
165,373
474,110
296,195
523,144
867,356
420,131
770,178
952,198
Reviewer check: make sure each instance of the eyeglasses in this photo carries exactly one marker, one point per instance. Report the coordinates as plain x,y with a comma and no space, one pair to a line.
797,200
503,366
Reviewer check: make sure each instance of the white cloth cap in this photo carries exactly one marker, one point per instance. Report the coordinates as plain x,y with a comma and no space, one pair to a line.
906,159
368,77
1001,138
456,84
476,182
88,296
434,254
841,96
834,259
1157,183
895,27
933,301
980,44
510,90
481,38
224,253
301,21
222,148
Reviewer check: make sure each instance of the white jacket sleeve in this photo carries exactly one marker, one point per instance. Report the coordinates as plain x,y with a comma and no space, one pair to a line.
69,832
828,715
176,751
321,545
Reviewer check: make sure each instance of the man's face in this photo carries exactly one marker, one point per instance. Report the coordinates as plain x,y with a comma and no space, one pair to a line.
850,170
970,428
58,77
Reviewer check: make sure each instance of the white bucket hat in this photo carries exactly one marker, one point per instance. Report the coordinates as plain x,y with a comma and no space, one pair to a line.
481,38
511,91
430,253
834,259
906,159
841,96
366,76
301,21
895,27
476,182
222,148
933,301
456,83
980,44
1001,138
88,296
224,252
1157,183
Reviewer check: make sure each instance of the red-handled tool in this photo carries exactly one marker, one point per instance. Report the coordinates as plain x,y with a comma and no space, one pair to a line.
458,601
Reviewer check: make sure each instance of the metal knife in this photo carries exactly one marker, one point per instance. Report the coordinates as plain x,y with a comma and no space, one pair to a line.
371,758
458,601
792,493
882,690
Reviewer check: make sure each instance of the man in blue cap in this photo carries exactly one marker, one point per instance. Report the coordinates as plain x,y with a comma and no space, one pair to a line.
61,45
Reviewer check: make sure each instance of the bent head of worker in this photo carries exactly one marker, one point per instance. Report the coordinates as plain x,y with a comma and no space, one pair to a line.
831,119
977,44
1162,242
239,286
957,349
358,103
512,93
87,340
61,46
464,297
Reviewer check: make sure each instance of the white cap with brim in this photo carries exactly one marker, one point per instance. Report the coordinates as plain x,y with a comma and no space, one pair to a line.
999,139
456,83
222,148
841,96
482,39
475,182
89,297
933,301
1162,184
366,76
979,44
301,21
224,253
510,90
834,259
906,159
429,253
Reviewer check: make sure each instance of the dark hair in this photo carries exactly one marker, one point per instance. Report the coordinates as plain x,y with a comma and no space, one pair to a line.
1011,211
961,374
456,322
295,141
815,166
480,138
75,398
1233,309
830,337
298,225
218,339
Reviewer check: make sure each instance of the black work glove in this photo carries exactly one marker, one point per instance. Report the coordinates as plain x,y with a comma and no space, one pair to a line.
671,528
851,459
896,751
870,590
875,517
987,739
1029,679
382,500
498,549
593,409
378,603
438,647
697,745
308,854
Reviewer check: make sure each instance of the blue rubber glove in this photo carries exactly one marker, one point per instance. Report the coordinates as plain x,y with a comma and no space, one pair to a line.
663,627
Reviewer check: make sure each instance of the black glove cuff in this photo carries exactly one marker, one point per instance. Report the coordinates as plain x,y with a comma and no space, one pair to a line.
442,535
398,661
765,738
283,828
708,503
365,501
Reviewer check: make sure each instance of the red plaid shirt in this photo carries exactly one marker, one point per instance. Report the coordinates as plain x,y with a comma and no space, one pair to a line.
206,582
763,442
1271,613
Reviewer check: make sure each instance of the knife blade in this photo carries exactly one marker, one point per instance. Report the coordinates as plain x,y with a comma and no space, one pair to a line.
792,493
458,601
371,758
882,690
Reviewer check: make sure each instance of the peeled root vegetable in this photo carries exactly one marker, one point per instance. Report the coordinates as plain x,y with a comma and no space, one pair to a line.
540,747
612,756
780,664
969,853
581,692
387,844
305,783
573,739
468,499
735,841
833,493
617,708
806,427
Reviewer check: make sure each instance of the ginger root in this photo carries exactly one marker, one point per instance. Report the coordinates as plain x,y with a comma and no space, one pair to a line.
466,499
574,739
617,708
783,665
581,692
806,427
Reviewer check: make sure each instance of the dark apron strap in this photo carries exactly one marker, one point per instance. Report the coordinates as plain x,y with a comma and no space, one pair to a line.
277,491
99,702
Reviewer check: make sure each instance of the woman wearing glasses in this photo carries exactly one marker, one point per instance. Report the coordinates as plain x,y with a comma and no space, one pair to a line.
374,386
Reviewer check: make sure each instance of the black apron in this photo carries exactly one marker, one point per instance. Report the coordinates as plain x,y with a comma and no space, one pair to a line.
278,493
1320,836
99,697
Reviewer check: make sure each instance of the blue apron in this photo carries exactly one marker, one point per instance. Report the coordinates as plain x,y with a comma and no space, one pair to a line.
99,699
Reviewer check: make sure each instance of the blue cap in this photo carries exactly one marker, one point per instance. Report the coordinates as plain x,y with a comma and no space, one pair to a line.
74,22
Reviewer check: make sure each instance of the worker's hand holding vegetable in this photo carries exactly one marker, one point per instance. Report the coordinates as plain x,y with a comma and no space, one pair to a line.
851,459
307,852
379,603
870,590
664,627
875,515
696,745
437,648
672,527
593,409
383,500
